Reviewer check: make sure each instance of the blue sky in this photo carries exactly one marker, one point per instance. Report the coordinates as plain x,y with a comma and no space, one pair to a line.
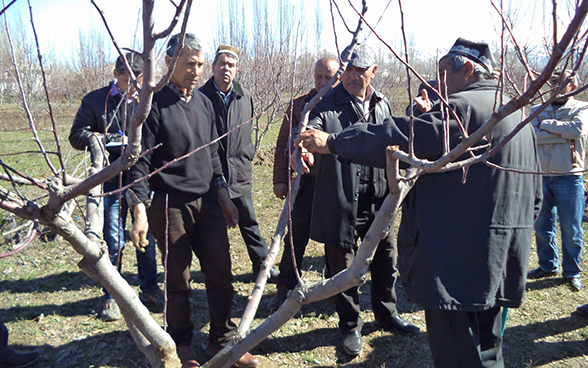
431,24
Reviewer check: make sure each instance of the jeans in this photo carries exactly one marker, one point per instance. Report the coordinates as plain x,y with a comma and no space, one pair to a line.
563,197
146,261
256,246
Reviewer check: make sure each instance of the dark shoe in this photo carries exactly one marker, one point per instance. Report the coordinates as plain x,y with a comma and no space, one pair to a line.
575,283
273,275
154,297
246,361
187,357
352,343
20,359
582,310
110,311
539,273
279,298
398,324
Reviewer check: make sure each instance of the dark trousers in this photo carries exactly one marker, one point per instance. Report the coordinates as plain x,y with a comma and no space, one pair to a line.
195,225
301,219
383,271
465,339
256,246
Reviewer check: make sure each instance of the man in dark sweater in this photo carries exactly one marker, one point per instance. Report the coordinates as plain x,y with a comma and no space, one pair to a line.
188,192
233,105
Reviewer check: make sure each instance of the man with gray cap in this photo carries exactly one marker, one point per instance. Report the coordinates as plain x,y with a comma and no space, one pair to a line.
191,196
346,198
463,244
233,105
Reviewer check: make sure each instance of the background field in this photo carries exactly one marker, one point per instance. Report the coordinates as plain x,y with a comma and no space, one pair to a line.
49,305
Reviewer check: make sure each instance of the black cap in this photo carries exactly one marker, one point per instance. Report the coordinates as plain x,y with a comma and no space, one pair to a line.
478,52
135,61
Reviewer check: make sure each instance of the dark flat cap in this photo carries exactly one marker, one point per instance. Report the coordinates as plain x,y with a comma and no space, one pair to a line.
135,61
478,52
363,57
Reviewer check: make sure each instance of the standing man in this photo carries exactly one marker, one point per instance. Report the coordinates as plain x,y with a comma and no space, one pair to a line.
346,198
324,70
187,194
463,246
233,105
561,131
106,112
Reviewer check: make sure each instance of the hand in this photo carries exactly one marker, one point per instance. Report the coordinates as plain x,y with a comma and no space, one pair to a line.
315,141
140,227
307,161
423,103
281,190
230,211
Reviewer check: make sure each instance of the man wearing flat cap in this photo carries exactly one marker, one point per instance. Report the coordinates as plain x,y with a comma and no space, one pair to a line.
347,196
463,244
233,105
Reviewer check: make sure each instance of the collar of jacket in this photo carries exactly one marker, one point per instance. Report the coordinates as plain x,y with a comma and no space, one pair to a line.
209,88
344,97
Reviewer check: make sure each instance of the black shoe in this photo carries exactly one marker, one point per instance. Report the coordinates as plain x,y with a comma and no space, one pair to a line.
575,283
20,359
279,298
539,273
582,310
398,324
273,275
352,343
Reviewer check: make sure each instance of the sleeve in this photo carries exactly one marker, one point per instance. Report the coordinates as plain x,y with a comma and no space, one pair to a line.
84,126
217,168
87,122
143,166
281,167
572,127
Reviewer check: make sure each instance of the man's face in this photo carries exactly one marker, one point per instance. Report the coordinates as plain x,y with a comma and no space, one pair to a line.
453,81
188,68
555,82
356,80
323,73
224,71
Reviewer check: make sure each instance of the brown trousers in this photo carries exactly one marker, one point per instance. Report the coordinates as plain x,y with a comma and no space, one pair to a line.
196,224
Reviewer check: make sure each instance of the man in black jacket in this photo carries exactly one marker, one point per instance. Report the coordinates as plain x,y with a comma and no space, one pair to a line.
346,198
463,244
106,112
233,105
187,194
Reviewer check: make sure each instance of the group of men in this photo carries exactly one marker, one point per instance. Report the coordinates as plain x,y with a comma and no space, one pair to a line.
463,242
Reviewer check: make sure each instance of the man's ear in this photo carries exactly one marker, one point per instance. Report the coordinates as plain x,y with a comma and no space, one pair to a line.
468,69
167,60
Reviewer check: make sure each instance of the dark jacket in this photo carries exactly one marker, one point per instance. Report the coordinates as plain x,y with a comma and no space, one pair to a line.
236,151
281,163
336,192
97,110
462,246
180,127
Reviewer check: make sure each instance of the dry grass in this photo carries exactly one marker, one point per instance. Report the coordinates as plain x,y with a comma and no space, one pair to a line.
50,305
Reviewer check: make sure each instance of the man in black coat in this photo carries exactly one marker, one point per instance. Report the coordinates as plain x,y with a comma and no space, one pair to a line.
346,198
233,105
463,246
